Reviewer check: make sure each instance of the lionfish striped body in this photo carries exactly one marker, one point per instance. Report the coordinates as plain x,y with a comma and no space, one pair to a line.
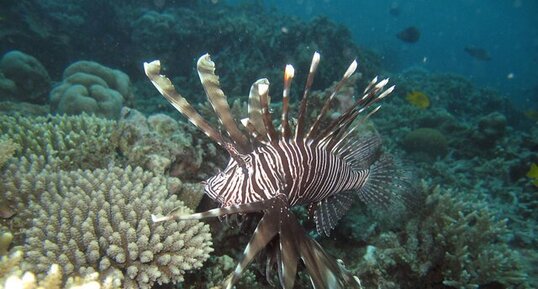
272,170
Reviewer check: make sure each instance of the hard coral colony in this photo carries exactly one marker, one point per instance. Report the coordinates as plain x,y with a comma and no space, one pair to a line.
271,171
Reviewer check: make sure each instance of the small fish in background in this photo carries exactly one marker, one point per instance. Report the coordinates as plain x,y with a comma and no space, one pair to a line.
531,114
418,99
477,53
410,34
394,9
533,174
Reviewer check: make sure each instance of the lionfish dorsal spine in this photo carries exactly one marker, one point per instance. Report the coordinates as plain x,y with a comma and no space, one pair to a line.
304,101
289,72
167,89
350,70
254,121
219,102
263,89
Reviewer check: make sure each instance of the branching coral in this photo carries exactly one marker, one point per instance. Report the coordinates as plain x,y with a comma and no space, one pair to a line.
99,221
77,141
7,150
12,277
456,243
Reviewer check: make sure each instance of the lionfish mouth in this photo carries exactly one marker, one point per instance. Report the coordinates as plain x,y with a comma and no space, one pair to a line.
272,170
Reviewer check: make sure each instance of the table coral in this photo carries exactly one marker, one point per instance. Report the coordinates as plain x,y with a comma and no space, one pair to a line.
99,221
90,87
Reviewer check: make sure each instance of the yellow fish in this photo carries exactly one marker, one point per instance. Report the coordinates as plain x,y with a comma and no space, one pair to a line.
418,99
531,114
533,174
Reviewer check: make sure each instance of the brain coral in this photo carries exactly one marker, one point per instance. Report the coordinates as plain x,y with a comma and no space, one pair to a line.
90,87
99,221
23,78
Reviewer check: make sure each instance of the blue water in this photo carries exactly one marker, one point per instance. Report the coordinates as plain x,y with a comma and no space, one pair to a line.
508,30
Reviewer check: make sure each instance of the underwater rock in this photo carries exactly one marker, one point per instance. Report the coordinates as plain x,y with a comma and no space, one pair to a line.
23,78
426,142
90,87
491,128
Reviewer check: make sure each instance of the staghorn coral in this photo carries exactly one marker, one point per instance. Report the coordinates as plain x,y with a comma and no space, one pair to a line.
7,150
92,88
76,141
13,277
99,221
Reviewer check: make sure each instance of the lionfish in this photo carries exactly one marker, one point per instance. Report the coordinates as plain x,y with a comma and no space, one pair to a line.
273,169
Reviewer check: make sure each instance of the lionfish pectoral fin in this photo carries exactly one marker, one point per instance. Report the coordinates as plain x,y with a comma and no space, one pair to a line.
325,272
265,231
218,212
288,255
331,210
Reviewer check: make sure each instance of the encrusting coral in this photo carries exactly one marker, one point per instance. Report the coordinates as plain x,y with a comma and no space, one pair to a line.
92,88
99,221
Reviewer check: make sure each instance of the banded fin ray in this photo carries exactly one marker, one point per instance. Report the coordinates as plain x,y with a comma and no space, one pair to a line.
167,89
255,109
304,101
315,126
219,102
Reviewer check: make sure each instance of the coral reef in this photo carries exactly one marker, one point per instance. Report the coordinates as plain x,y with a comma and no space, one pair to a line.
452,240
7,150
428,142
491,128
13,277
23,78
99,221
163,145
92,88
76,141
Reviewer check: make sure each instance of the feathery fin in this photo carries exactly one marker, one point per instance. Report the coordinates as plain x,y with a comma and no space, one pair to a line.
329,211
